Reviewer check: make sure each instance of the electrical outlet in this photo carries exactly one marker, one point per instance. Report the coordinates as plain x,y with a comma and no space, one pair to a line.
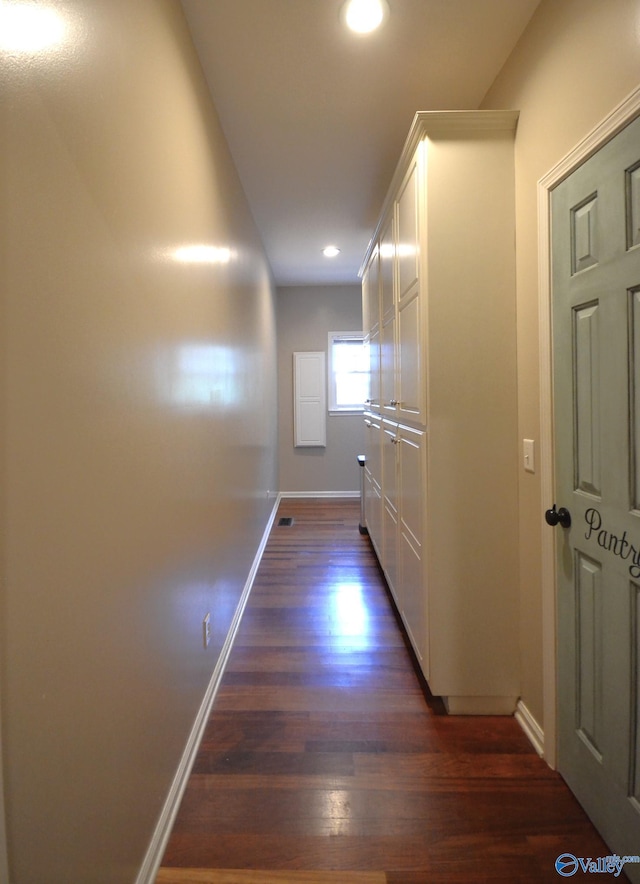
206,630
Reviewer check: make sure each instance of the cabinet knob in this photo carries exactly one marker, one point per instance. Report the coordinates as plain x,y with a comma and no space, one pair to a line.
555,517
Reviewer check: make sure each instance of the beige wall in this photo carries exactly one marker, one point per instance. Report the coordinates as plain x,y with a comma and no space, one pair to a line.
305,317
575,62
138,427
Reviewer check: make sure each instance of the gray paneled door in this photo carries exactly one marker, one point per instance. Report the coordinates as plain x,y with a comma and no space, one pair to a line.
596,332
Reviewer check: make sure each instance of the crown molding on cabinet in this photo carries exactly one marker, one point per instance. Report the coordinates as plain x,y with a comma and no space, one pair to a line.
436,124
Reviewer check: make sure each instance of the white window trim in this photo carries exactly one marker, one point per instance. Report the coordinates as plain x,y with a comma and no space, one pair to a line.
332,337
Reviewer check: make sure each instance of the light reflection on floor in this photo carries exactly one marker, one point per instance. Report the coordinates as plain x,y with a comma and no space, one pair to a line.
336,811
350,618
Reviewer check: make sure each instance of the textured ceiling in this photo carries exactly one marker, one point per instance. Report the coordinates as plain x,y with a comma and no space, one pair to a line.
316,117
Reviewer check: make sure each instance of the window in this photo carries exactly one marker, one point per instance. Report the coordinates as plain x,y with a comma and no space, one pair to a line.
348,372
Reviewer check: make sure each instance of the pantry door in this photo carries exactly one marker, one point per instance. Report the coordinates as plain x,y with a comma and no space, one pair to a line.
595,244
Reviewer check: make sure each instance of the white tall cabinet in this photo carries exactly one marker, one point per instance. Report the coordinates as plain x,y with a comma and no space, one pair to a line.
441,444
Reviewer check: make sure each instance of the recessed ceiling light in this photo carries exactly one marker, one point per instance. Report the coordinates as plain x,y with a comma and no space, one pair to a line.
331,251
364,16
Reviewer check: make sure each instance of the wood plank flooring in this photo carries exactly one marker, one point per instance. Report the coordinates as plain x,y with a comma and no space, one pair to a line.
326,761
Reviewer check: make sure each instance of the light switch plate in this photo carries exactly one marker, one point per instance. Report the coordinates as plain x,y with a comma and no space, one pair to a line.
528,455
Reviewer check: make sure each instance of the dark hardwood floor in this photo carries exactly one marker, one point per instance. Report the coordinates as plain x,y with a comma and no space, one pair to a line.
326,760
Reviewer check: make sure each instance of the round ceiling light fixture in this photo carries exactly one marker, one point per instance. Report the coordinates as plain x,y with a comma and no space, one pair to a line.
331,251
364,16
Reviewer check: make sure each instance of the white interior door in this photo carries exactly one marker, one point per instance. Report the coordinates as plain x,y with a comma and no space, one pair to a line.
596,350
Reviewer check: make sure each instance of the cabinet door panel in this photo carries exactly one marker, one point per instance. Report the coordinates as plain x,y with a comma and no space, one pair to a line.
373,453
390,552
373,481
388,366
387,263
407,247
411,482
390,497
389,469
411,383
366,297
371,296
373,512
411,504
414,600
374,370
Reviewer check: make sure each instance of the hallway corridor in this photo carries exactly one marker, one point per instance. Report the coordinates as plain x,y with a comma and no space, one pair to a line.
325,760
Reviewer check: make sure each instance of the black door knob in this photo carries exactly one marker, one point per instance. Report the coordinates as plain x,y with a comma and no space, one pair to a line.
555,517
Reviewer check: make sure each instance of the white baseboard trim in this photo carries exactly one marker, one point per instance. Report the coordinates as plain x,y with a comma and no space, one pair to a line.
4,854
151,864
319,494
531,727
